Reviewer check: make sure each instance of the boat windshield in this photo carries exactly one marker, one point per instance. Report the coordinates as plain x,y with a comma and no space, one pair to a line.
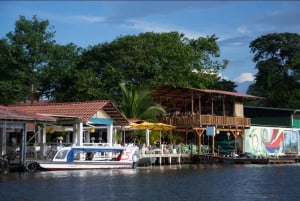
61,154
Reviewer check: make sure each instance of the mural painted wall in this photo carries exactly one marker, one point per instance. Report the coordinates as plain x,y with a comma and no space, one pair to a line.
271,140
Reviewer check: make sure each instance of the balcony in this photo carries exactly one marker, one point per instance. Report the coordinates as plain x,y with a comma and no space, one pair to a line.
196,121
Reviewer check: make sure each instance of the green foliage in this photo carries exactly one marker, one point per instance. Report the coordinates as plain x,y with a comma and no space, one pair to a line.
33,66
277,58
155,59
61,67
12,89
137,103
223,84
79,85
24,53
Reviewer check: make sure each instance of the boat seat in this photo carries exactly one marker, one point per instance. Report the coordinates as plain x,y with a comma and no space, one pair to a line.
89,156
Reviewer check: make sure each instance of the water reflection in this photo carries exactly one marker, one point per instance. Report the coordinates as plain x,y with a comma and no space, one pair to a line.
176,183
87,173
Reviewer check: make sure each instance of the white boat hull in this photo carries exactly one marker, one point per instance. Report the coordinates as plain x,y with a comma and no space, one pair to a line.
53,166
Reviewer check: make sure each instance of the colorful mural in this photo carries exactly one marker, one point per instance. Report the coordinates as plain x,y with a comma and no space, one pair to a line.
269,140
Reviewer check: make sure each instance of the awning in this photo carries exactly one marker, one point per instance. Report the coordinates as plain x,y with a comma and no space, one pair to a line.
101,121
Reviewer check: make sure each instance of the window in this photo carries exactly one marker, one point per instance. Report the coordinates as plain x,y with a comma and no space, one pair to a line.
61,154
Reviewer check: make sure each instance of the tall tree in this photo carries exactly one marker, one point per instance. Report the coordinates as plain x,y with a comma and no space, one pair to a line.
277,58
11,77
33,66
62,62
226,85
155,59
27,51
79,85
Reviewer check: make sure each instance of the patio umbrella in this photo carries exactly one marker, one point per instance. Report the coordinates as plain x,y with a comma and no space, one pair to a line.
153,126
162,127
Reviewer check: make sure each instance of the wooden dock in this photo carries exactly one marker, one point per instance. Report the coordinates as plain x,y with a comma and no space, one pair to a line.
281,161
182,158
270,160
238,160
165,158
284,160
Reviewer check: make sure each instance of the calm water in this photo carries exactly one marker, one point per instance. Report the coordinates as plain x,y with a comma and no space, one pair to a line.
172,183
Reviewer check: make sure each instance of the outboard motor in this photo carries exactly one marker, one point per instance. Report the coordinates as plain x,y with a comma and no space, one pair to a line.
4,165
135,159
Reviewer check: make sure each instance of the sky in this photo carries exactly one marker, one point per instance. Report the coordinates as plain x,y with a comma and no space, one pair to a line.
235,23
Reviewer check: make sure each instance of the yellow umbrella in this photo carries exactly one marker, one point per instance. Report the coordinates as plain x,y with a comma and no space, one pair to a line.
153,126
142,126
163,127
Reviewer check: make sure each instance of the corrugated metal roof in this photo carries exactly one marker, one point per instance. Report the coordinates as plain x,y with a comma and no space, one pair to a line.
227,93
171,97
272,108
183,92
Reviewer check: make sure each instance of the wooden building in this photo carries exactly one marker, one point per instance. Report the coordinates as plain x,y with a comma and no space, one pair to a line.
206,118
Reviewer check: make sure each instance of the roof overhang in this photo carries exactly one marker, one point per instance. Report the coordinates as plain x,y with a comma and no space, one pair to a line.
170,97
10,114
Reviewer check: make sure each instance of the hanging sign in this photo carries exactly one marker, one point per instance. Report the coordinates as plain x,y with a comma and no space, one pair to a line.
210,130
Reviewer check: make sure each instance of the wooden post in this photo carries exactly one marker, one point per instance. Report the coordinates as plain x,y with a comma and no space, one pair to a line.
212,105
224,111
213,145
192,104
23,146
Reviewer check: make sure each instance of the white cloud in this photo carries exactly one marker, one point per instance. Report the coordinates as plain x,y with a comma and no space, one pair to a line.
147,26
243,30
90,19
144,26
74,19
245,77
223,76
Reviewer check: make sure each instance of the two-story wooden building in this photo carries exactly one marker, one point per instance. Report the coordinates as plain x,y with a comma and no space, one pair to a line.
213,118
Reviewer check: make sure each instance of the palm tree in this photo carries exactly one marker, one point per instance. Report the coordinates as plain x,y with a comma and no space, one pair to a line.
137,103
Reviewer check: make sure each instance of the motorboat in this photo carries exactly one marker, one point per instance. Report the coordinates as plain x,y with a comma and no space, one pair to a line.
88,157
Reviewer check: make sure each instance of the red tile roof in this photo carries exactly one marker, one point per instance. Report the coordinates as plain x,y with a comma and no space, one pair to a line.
81,110
12,114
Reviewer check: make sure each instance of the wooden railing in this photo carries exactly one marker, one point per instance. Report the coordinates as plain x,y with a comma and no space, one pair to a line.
188,121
